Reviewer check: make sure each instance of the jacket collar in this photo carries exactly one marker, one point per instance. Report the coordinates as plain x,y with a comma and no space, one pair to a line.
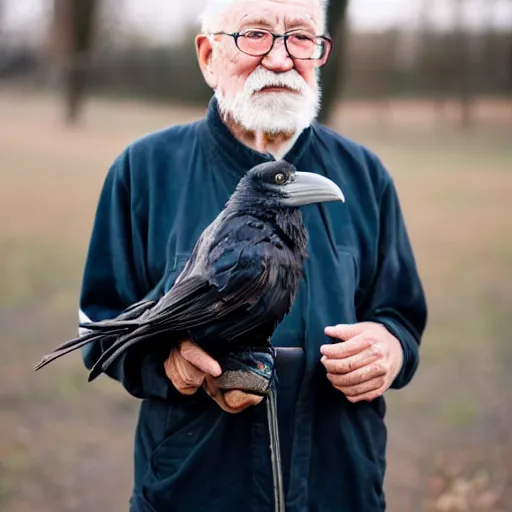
237,153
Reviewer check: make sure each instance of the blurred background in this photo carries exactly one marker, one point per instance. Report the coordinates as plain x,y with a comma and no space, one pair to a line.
427,84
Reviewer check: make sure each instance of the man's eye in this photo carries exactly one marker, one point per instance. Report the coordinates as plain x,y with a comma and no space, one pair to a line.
254,34
303,37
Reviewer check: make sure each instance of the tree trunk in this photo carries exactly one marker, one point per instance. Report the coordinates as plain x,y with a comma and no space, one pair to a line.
464,80
430,63
509,63
75,22
2,16
333,73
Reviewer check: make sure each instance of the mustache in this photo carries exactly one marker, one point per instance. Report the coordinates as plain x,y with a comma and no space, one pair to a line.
262,78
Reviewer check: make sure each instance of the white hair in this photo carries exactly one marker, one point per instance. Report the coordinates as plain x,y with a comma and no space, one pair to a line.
214,9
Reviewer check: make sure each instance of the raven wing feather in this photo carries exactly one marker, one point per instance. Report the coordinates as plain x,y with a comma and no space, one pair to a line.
240,276
236,281
232,285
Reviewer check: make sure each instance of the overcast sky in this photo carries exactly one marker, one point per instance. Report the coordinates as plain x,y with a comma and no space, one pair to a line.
162,18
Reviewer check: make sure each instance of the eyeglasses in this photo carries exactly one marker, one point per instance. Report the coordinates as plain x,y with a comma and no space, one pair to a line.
299,45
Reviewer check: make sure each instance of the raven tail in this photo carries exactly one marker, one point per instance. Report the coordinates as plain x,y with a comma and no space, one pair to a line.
67,347
110,325
130,318
119,347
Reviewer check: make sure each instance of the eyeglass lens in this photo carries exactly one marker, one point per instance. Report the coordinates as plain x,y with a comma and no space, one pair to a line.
300,45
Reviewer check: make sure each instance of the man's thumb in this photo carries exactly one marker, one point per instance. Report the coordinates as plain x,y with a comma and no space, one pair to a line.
343,331
197,357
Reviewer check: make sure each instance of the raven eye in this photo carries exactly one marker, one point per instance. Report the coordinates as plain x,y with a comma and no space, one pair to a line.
280,178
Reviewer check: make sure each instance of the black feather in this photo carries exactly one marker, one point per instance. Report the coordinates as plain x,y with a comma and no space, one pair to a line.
239,283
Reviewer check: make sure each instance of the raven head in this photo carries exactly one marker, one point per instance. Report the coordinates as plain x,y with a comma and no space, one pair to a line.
282,185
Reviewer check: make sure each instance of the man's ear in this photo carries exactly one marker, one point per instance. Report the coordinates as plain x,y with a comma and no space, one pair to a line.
204,52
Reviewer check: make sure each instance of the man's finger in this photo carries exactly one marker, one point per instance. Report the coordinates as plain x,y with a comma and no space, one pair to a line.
349,364
189,375
239,400
199,358
361,389
359,376
346,348
345,331
367,397
186,391
233,401
185,377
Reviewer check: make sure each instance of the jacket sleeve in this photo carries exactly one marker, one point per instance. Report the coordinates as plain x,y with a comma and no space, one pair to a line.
113,280
396,298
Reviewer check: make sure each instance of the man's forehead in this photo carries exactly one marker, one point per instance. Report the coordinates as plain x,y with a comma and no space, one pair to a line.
273,12
271,18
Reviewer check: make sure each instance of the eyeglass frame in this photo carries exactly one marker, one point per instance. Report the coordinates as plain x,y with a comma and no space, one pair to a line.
237,35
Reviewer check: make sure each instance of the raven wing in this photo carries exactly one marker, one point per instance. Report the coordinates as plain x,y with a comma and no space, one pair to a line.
240,291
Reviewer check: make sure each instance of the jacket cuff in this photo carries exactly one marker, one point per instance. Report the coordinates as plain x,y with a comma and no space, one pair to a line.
144,377
410,348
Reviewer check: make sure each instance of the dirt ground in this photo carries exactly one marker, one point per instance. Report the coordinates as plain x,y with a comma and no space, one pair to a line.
67,445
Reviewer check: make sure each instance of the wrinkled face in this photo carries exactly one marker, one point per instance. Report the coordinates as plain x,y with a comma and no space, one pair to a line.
273,93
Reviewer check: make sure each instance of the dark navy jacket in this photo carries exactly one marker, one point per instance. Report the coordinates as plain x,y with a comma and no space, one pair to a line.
158,196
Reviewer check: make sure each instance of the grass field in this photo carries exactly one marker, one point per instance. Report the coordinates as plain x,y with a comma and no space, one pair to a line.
66,445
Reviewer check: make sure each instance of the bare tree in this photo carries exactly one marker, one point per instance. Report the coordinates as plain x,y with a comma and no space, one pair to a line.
74,30
2,16
509,64
509,59
488,51
464,79
333,74
431,62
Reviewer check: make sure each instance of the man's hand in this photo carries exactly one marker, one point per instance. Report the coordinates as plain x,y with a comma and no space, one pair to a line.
365,363
189,367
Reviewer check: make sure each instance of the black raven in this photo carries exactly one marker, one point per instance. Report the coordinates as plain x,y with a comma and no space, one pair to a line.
238,284
240,280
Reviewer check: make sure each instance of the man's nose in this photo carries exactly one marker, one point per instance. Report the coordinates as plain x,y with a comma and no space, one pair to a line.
278,59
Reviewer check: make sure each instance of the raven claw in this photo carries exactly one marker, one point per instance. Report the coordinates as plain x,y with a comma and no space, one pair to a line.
249,370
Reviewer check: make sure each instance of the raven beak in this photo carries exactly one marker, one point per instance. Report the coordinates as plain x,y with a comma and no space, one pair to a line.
309,188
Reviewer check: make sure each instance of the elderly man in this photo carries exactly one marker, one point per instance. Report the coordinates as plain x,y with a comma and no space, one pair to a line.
359,315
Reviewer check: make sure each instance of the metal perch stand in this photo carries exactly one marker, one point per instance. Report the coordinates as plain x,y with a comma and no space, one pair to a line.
275,450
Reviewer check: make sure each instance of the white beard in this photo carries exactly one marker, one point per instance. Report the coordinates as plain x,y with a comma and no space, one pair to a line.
272,112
